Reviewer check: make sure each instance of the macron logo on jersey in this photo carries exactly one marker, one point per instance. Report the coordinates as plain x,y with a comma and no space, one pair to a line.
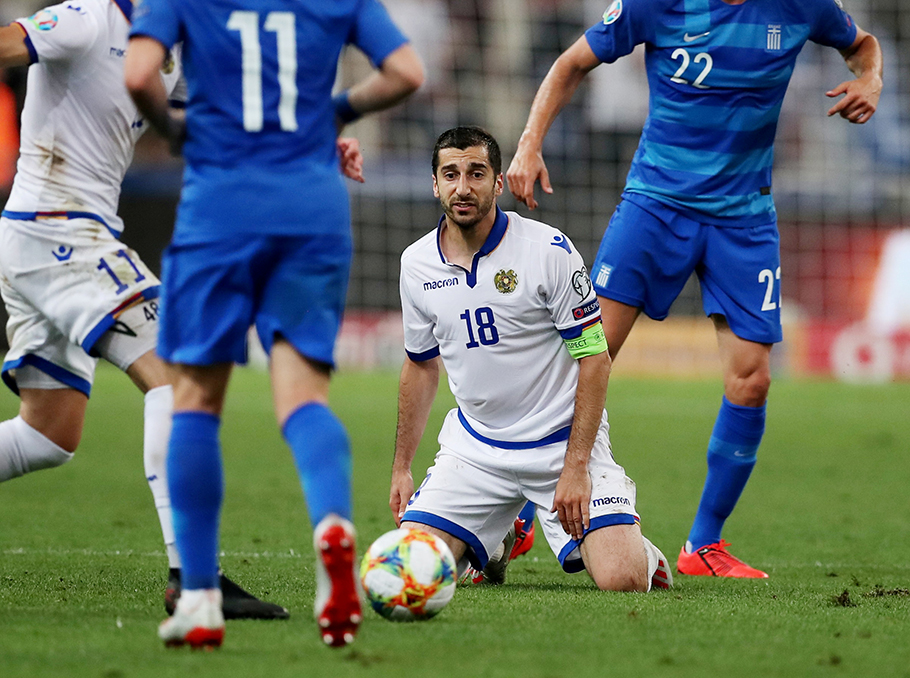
562,242
436,284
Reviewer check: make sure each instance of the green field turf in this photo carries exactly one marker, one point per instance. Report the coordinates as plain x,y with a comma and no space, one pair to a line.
826,514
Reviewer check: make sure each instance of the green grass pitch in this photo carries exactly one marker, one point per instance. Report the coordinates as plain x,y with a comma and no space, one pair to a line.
82,571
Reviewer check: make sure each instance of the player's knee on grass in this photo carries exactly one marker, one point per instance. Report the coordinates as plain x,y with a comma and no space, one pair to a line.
615,558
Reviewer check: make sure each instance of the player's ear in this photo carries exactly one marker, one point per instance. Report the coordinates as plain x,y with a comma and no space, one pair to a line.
435,187
499,184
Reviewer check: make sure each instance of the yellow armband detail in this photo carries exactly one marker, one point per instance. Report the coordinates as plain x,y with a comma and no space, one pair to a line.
591,342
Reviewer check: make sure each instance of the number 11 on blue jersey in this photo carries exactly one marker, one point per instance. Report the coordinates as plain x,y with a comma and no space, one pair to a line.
283,24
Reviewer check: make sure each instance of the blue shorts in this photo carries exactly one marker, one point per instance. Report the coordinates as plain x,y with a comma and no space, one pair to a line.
649,250
292,287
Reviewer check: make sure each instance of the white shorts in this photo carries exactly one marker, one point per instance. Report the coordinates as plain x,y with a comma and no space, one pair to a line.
65,283
475,491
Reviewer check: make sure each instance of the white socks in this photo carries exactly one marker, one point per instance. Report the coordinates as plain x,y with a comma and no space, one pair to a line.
23,450
159,406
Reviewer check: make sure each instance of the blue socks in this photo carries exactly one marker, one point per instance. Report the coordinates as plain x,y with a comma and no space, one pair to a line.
731,456
322,453
527,515
196,484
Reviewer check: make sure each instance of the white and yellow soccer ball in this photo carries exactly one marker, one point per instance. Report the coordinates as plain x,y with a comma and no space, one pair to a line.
408,575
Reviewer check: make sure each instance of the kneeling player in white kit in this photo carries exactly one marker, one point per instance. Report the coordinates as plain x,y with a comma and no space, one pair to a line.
506,305
72,290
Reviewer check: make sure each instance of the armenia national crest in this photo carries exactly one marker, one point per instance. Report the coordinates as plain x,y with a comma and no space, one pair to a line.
505,281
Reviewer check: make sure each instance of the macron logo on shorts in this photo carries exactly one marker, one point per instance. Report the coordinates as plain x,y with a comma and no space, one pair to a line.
609,501
603,275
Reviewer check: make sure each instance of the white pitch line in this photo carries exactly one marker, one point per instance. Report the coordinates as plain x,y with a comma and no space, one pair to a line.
21,551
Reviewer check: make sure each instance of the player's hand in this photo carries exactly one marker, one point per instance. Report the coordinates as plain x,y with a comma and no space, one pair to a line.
573,501
400,495
351,158
860,99
526,169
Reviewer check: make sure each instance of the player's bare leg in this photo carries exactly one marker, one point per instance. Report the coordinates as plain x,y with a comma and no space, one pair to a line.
57,414
746,366
46,432
616,559
731,454
456,546
618,319
321,450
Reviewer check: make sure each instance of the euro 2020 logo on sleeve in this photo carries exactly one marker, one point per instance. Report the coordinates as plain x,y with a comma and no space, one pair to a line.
44,20
613,13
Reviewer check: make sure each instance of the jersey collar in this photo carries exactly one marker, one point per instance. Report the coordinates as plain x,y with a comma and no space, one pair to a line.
126,6
497,233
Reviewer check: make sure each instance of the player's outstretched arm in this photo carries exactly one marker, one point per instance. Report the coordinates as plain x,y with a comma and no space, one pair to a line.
399,75
860,96
556,90
573,490
13,50
416,392
142,72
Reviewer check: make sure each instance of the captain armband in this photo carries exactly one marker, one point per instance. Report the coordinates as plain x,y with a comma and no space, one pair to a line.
591,342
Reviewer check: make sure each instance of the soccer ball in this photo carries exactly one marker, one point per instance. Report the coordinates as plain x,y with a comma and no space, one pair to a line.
408,575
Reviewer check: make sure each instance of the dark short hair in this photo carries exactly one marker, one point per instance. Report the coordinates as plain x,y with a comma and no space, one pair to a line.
466,137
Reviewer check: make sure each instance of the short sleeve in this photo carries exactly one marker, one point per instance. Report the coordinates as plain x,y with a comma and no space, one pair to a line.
625,24
832,26
59,33
158,19
175,81
570,295
374,32
419,341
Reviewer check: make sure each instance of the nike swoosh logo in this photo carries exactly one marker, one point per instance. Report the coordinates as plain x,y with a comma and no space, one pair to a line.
693,38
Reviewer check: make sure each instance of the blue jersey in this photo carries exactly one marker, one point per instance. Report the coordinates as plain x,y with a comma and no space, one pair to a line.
260,149
717,75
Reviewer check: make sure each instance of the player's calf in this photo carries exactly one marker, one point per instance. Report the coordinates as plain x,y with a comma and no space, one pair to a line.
24,450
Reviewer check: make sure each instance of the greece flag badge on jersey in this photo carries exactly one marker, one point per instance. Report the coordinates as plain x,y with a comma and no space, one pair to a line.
774,33
603,275
613,13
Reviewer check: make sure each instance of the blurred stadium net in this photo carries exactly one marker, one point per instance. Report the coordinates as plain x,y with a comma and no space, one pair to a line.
842,191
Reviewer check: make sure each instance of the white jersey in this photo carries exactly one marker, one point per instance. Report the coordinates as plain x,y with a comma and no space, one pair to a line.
500,328
79,125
